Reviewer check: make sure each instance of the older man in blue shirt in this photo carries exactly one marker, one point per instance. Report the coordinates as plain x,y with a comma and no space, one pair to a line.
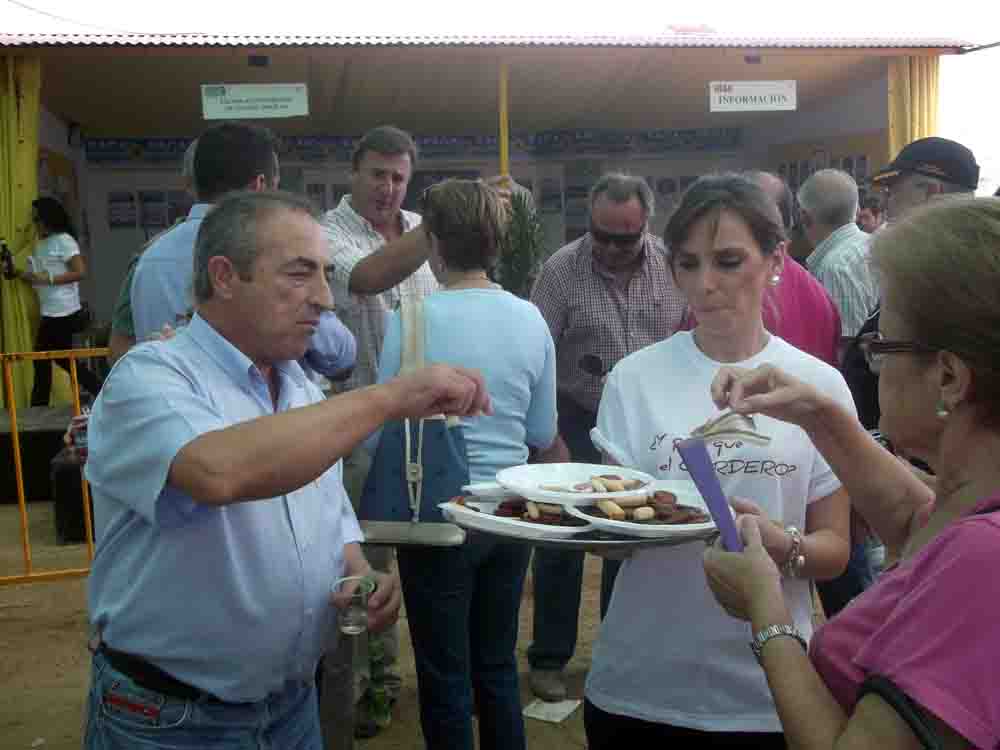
220,513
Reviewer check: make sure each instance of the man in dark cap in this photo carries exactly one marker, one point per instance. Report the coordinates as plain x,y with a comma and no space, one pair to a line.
924,170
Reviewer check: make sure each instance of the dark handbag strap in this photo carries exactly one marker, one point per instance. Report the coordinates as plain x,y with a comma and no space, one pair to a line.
904,706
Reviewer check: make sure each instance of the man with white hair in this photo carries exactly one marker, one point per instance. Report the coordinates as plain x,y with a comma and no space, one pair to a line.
924,170
927,169
828,204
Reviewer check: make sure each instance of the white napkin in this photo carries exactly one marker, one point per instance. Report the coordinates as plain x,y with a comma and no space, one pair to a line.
554,713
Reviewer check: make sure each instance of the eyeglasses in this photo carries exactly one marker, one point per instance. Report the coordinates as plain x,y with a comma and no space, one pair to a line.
874,347
608,238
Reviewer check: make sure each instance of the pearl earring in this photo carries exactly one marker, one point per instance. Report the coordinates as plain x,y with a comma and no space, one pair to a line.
942,411
775,279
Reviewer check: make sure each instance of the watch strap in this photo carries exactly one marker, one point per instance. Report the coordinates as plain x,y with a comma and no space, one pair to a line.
763,635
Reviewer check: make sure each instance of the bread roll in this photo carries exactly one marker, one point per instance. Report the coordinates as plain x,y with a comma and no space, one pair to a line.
598,484
632,502
611,509
644,513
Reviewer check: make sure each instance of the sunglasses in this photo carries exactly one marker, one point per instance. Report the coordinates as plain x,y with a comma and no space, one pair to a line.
610,238
875,348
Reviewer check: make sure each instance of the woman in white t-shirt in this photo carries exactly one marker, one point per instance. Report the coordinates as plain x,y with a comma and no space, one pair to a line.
669,664
55,270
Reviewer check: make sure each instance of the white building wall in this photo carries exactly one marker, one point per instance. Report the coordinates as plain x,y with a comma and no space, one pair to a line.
864,109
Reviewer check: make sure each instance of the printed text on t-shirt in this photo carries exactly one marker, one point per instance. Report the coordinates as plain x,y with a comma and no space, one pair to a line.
725,465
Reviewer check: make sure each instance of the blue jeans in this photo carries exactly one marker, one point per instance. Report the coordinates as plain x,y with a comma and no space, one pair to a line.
462,607
121,715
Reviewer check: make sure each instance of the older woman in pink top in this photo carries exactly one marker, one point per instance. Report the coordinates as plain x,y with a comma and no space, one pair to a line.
913,661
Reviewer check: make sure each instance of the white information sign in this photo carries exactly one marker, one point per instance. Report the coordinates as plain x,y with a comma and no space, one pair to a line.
751,96
254,101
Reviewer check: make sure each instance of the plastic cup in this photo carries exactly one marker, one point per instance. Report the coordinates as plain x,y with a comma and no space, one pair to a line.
350,595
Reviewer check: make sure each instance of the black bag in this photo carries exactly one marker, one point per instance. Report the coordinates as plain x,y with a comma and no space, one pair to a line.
904,706
860,379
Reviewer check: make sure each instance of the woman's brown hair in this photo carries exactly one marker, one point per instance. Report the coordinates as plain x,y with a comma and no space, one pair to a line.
469,220
944,263
712,193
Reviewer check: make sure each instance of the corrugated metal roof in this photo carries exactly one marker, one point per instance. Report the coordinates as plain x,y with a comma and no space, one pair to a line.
17,39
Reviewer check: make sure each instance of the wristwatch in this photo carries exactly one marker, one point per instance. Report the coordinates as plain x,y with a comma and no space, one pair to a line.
763,635
796,561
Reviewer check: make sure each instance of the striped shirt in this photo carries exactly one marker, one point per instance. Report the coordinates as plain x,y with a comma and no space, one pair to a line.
352,238
841,264
589,314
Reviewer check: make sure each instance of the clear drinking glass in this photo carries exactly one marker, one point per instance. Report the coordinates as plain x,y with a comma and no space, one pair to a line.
350,596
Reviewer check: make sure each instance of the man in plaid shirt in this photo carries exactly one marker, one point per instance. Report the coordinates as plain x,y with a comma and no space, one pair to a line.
604,296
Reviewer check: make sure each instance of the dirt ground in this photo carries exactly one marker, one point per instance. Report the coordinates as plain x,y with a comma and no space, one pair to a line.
44,662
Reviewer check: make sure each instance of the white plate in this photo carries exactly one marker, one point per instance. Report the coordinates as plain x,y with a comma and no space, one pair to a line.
484,520
687,494
526,481
487,489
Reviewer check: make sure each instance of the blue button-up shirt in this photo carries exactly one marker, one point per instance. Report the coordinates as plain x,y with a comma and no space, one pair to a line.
231,599
161,286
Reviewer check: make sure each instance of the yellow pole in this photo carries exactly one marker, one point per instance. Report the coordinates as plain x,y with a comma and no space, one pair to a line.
8,383
47,575
504,120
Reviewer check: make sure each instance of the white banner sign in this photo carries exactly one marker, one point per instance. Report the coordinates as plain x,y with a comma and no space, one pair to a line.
751,96
254,101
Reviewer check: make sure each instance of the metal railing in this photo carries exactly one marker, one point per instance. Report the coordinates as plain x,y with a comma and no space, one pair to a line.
30,575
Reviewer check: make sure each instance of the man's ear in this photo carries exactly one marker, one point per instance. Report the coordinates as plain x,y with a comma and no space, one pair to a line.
222,273
258,184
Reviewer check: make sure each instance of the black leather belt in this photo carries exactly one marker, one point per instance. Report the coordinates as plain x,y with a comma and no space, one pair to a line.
151,677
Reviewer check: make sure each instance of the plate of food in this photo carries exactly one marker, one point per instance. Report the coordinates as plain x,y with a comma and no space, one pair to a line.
674,508
513,516
575,484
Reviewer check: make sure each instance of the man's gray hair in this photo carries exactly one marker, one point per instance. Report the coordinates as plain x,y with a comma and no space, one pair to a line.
621,188
230,230
949,189
830,197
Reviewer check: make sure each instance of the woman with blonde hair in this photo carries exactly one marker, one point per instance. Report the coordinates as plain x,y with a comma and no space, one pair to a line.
912,661
462,604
